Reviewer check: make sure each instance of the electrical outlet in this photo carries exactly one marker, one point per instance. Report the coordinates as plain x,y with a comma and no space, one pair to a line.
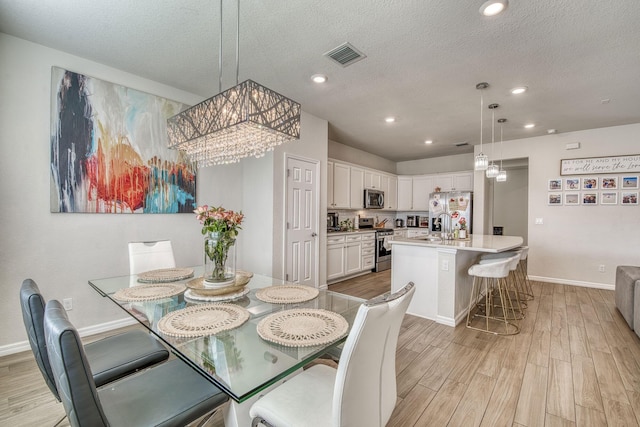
601,268
68,304
539,221
445,265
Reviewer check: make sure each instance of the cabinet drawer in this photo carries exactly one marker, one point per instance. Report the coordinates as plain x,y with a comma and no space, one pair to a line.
332,240
368,237
352,238
368,262
368,251
367,245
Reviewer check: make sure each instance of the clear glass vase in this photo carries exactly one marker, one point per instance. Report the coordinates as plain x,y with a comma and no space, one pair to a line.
219,257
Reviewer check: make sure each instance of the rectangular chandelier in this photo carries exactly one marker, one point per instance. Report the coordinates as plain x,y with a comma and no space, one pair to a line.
245,120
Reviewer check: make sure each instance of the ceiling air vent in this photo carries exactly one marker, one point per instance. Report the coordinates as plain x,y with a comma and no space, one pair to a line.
462,144
345,54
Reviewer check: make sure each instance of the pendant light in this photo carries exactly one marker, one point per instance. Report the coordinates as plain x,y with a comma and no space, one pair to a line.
481,161
502,174
492,170
245,120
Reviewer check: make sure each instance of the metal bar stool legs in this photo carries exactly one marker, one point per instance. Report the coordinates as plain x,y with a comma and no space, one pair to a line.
497,319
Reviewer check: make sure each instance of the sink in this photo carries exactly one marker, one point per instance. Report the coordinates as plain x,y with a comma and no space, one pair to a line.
433,239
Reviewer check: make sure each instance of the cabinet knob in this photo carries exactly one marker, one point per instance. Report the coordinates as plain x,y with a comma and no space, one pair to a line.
314,234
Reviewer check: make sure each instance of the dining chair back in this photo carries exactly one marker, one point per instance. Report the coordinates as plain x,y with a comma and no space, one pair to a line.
170,394
147,256
111,358
362,391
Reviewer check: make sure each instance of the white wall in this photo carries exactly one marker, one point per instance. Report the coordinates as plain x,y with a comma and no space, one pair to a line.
573,240
348,154
510,203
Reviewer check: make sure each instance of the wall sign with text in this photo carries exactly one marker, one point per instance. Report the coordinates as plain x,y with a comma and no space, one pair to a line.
595,165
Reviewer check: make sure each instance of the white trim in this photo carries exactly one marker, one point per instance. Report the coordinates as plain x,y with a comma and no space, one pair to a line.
573,282
18,347
446,321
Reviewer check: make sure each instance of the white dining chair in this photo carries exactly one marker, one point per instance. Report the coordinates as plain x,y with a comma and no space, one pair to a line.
361,392
147,256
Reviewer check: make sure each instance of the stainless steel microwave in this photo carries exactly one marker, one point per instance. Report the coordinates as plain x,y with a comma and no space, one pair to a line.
373,199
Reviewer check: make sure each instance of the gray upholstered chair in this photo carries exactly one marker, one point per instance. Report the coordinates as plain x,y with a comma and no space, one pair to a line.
169,394
111,358
361,392
626,295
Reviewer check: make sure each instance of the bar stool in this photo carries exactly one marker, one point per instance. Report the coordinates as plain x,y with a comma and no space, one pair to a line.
523,272
493,275
515,278
513,286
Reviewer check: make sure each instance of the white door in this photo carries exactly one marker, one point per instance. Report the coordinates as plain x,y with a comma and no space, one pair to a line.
302,221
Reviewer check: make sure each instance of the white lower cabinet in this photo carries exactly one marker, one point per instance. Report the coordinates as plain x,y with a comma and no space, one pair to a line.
417,232
349,254
402,233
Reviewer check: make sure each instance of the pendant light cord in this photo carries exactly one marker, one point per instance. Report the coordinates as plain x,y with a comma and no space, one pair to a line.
501,147
237,47
238,43
220,54
481,111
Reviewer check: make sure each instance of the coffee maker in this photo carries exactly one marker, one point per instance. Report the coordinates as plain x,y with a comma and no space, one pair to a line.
413,221
332,221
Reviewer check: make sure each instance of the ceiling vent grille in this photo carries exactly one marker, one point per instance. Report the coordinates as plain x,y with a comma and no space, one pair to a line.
345,54
462,144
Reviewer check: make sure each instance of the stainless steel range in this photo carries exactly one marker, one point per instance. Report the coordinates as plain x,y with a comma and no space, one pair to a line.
383,249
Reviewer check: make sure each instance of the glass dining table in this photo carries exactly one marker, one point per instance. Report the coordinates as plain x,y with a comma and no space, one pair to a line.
238,361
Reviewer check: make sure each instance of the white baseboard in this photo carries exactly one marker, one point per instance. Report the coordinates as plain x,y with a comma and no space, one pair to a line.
573,282
18,347
446,321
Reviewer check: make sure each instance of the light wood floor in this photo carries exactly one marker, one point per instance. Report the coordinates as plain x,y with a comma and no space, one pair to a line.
575,363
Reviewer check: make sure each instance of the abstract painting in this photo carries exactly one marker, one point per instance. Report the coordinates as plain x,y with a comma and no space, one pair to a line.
109,150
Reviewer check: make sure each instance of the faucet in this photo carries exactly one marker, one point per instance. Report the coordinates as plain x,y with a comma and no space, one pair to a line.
448,234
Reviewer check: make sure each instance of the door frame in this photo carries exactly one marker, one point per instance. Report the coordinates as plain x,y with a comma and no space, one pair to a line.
285,218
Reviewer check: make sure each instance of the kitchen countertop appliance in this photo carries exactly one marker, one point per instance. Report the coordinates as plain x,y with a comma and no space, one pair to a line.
412,220
373,199
332,221
399,223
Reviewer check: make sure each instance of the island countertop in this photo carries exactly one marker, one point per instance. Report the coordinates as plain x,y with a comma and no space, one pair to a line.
476,243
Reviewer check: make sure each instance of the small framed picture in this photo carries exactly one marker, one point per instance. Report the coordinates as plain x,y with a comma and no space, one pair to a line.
609,198
555,184
589,198
555,199
572,199
629,182
629,197
609,182
572,184
589,183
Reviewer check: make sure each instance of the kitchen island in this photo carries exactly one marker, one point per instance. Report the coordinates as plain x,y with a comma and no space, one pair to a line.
439,270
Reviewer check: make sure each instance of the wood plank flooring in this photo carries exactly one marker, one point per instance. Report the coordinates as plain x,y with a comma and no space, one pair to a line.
574,363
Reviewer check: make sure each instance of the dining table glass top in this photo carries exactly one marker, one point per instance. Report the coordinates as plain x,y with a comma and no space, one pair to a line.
238,360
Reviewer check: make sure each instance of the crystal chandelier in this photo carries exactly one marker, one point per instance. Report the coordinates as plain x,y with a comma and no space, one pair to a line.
492,170
481,161
502,174
245,120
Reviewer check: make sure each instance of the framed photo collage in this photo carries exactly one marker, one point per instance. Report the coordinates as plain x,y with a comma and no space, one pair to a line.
593,190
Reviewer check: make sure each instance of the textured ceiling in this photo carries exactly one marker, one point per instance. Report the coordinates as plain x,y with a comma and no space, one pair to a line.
424,58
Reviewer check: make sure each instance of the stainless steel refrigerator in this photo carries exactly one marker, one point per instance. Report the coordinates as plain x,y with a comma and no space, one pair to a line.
454,208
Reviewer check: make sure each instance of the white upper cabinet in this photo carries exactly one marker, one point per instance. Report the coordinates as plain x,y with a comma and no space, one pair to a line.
357,188
372,179
462,181
390,188
405,193
341,186
330,204
445,182
423,185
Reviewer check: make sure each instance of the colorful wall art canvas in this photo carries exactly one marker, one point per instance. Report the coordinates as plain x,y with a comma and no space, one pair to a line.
109,150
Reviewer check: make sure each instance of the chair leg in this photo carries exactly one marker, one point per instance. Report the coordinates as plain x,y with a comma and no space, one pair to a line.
257,421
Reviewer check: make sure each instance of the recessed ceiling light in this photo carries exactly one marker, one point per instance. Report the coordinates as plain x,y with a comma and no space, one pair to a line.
390,119
319,78
518,90
529,126
428,141
493,7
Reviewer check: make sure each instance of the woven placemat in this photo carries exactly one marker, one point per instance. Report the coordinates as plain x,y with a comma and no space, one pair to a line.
165,275
287,294
303,327
192,295
149,292
204,319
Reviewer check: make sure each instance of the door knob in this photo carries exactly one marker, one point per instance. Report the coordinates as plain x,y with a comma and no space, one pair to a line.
314,234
